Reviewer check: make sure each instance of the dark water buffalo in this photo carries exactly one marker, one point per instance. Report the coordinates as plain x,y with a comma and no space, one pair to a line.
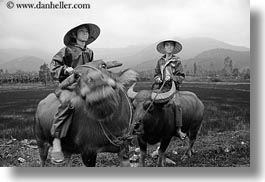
154,119
100,119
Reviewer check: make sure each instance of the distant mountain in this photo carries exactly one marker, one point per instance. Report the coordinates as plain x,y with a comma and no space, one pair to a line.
141,57
210,59
110,54
25,63
107,54
191,48
215,58
7,55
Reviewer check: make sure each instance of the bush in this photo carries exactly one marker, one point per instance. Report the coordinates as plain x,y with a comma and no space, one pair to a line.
215,79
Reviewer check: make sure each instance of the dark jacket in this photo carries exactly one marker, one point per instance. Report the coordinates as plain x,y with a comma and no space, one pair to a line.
173,67
70,56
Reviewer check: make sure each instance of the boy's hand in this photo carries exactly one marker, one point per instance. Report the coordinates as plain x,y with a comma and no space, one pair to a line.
69,70
167,78
158,80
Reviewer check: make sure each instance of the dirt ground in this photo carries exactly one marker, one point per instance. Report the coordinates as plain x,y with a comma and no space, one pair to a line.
225,149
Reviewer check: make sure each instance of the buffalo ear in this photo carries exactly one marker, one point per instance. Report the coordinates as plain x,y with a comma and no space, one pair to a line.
113,64
148,105
127,76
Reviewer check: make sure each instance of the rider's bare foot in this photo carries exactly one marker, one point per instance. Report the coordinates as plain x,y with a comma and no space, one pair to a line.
57,156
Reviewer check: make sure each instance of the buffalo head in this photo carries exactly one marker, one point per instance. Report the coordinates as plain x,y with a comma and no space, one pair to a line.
100,88
147,105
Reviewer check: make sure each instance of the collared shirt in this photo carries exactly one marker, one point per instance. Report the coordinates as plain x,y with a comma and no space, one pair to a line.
166,68
70,56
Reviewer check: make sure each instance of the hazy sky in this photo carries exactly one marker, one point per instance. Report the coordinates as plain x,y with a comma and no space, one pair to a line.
126,22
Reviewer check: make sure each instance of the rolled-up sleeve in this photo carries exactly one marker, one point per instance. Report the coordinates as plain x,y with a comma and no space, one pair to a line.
157,71
178,75
57,65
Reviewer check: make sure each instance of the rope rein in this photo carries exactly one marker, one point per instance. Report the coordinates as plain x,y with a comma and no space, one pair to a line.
106,135
159,91
114,140
118,141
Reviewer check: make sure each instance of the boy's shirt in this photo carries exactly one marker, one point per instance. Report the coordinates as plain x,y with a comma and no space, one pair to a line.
70,56
172,67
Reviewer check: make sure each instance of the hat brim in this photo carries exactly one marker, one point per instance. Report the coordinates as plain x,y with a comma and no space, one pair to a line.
161,47
93,30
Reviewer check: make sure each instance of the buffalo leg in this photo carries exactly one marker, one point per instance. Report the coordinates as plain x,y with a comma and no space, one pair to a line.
124,156
161,152
89,158
143,150
68,160
192,138
124,162
43,151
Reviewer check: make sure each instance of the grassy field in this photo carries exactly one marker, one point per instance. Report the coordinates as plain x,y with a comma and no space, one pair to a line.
223,140
18,106
227,106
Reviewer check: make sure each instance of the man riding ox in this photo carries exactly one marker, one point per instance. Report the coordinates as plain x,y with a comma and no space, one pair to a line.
74,53
165,112
100,116
154,117
169,68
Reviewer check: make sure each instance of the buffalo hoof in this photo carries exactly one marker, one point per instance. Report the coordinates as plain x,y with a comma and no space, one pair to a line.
193,151
125,163
135,165
155,154
141,164
169,161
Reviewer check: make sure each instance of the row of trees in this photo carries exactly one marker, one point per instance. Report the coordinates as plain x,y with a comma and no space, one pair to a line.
228,71
43,75
198,70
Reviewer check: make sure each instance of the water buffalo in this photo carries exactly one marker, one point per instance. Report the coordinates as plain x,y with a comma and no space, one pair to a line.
101,116
154,119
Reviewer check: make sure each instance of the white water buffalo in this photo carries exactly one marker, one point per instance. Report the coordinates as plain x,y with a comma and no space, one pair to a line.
154,119
100,119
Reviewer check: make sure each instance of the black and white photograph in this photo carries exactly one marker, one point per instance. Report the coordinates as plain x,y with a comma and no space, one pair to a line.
125,83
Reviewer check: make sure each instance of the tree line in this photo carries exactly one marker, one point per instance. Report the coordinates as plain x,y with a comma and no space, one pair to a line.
227,72
43,75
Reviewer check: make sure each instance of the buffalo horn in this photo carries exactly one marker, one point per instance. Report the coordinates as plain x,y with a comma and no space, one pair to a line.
162,96
131,94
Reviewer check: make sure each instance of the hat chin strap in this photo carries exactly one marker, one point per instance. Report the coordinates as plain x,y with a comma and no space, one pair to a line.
81,43
169,55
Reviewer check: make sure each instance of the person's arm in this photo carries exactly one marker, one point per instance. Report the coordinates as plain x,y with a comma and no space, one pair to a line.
158,74
178,75
91,56
57,65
